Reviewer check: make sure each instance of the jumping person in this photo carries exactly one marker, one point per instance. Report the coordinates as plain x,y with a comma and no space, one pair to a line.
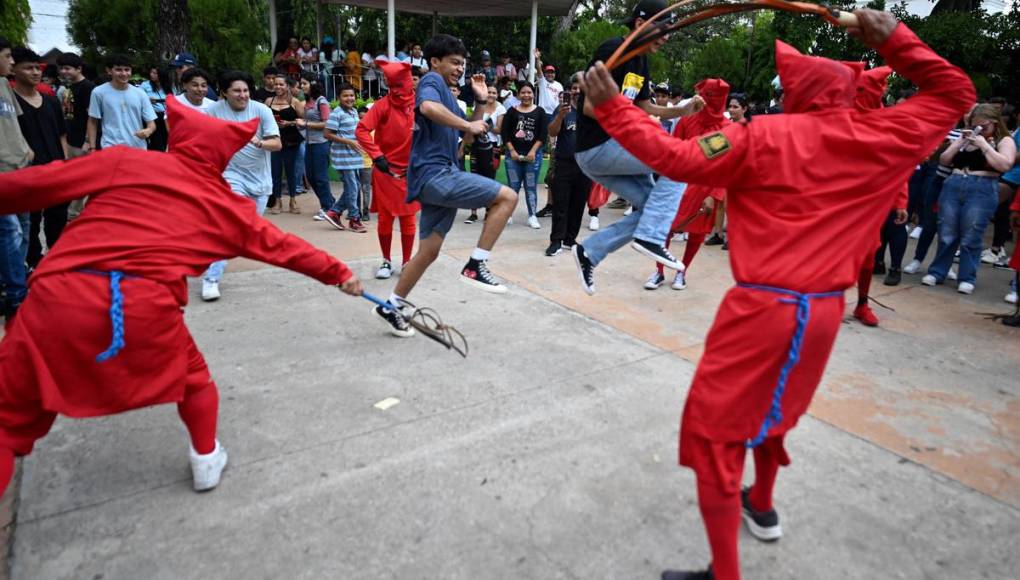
385,135
439,185
118,273
784,175
602,159
696,215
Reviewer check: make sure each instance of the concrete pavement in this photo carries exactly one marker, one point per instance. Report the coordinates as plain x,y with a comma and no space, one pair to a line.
549,453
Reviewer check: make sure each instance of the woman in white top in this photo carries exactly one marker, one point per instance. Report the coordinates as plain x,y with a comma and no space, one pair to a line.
484,150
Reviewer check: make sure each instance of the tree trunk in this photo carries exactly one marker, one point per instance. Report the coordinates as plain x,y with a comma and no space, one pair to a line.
172,29
567,20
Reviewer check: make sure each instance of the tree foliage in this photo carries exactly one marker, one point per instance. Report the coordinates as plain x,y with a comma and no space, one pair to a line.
15,20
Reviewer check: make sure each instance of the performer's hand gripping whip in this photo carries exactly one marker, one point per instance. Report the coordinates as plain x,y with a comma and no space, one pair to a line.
690,12
427,322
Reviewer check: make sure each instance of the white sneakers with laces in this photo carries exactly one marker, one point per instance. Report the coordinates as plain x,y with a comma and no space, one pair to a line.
210,291
593,223
679,281
913,267
533,223
965,288
384,271
207,469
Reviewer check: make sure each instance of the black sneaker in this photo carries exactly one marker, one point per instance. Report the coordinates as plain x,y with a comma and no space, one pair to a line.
688,575
893,277
398,325
618,203
585,269
471,218
726,246
1013,321
762,525
554,249
714,240
658,253
544,212
477,274
879,268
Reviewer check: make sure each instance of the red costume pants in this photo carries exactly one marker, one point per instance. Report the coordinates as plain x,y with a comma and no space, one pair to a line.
408,226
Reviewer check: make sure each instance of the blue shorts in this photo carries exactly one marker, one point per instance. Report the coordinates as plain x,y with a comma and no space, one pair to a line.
449,191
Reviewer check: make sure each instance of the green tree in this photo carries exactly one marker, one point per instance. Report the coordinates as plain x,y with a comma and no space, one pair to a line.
15,20
573,51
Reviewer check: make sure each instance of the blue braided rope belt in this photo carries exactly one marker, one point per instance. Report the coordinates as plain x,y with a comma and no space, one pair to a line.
803,302
116,313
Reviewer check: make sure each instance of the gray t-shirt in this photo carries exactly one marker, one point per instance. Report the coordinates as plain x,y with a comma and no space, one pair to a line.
13,147
248,172
122,114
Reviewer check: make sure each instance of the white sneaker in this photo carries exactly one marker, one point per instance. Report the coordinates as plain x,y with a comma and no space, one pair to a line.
210,291
629,210
319,217
965,288
533,223
1011,297
654,281
929,280
679,281
384,271
593,223
988,256
952,274
916,233
510,221
913,267
206,469
956,256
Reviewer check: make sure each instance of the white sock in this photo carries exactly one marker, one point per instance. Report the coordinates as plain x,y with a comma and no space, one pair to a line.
480,254
396,300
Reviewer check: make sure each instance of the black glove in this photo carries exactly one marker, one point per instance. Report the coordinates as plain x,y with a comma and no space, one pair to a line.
382,163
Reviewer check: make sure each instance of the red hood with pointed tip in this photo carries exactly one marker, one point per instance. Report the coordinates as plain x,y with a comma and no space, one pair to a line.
715,93
398,79
811,83
870,87
204,139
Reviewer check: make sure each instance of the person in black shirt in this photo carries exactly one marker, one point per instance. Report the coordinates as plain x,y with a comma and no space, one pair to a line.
268,88
524,133
76,112
570,187
42,124
606,162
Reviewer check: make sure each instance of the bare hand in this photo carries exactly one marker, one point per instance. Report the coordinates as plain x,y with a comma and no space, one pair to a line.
529,158
979,140
31,155
876,26
708,205
480,88
476,128
598,85
143,134
352,286
696,104
901,217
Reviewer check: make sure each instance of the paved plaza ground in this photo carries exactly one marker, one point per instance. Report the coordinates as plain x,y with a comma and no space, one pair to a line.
549,453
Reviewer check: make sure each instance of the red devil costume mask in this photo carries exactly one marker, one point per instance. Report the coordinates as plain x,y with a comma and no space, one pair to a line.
870,88
398,79
812,84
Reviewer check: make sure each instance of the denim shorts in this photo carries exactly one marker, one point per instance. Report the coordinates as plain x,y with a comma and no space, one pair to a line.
449,191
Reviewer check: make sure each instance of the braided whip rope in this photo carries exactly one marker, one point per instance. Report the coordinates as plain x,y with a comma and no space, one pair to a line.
116,318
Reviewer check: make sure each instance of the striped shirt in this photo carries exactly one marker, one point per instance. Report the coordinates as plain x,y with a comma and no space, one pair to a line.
343,122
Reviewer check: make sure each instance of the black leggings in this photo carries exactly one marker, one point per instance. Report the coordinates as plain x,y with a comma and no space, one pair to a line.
51,221
1001,232
895,237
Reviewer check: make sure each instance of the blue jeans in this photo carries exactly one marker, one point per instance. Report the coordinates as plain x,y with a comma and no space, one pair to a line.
655,203
966,206
12,263
299,168
317,171
522,171
216,269
285,161
929,217
349,198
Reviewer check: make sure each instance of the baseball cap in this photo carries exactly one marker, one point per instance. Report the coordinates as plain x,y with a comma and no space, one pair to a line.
184,58
549,67
645,9
485,54
662,87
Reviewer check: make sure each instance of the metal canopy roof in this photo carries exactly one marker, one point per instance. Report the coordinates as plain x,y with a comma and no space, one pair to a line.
477,8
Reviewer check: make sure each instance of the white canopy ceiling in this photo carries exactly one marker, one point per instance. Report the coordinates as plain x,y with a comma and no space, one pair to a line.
484,8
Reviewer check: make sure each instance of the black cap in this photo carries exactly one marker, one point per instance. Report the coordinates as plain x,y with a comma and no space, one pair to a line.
645,9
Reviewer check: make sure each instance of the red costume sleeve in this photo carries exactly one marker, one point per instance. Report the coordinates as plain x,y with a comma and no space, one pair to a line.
367,125
267,243
679,160
43,186
902,198
1015,206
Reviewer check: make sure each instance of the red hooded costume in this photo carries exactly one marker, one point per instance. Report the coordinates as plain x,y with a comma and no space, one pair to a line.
710,118
822,163
386,131
116,252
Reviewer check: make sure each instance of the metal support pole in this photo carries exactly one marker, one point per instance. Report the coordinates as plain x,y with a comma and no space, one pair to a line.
435,22
318,23
391,29
534,41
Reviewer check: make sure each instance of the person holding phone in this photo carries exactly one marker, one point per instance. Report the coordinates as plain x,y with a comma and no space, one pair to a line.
524,132
984,151
571,186
483,150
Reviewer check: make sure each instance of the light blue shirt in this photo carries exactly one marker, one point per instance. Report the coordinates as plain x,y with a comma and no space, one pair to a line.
152,93
248,172
122,113
1013,175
